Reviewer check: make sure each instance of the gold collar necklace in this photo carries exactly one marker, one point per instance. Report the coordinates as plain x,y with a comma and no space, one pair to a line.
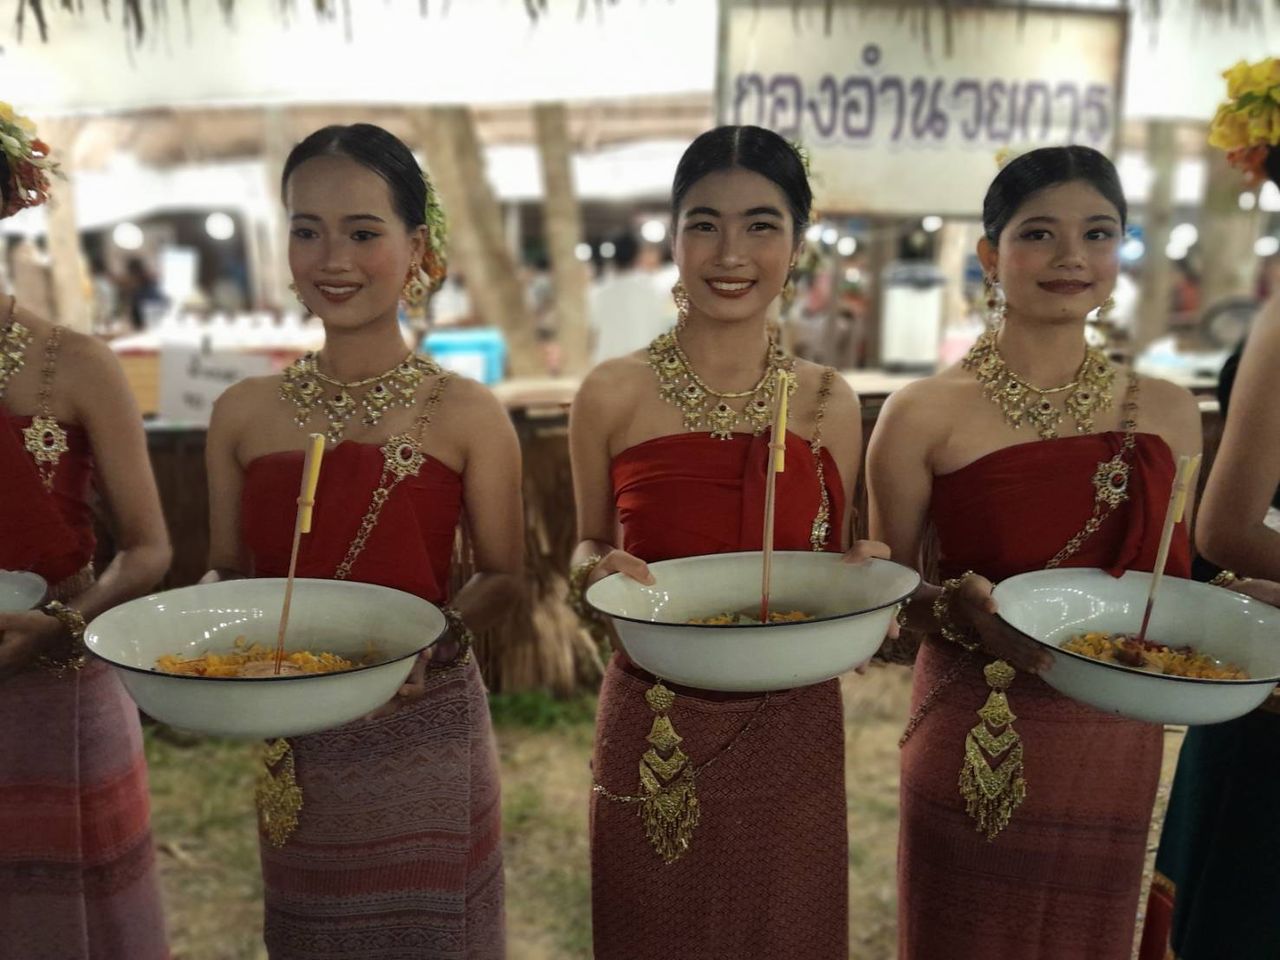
1020,402
304,386
705,408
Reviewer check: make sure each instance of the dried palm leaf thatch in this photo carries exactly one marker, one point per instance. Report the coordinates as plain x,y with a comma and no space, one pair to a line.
139,17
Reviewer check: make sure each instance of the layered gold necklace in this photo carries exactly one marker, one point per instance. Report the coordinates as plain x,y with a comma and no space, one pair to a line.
1020,402
705,408
304,385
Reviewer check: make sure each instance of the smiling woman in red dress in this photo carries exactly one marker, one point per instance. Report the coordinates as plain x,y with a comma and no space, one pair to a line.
1026,839
669,448
396,853
77,870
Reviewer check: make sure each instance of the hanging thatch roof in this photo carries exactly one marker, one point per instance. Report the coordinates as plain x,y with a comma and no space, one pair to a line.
138,17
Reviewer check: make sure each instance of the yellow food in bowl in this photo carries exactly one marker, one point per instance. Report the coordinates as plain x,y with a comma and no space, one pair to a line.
244,654
1126,650
737,619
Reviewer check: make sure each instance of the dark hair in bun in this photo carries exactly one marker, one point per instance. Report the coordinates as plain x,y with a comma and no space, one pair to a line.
1040,169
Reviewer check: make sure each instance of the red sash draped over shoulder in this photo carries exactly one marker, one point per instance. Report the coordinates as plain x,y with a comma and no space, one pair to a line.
689,494
411,547
1061,882
51,535
1013,510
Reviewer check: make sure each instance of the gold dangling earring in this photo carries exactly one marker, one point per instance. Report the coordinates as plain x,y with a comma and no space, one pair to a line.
789,289
415,291
996,306
1105,308
293,288
681,297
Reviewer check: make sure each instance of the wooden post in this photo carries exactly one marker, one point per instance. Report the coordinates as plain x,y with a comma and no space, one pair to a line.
1157,272
477,239
563,226
69,271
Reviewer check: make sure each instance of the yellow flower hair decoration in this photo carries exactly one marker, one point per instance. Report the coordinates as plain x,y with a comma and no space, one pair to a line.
29,163
1247,125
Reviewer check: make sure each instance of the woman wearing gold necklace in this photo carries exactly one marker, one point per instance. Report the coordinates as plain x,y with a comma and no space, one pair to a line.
1025,814
78,877
669,448
395,850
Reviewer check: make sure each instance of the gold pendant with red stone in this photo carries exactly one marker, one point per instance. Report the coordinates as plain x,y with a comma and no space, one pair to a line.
46,441
402,456
1111,481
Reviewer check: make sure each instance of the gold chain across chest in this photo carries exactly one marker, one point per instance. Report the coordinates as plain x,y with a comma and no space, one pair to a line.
45,439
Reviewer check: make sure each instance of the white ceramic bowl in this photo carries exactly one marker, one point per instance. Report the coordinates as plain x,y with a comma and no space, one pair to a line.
326,615
852,606
20,590
1052,606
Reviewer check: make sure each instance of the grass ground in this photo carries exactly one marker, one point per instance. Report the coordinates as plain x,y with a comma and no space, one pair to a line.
206,835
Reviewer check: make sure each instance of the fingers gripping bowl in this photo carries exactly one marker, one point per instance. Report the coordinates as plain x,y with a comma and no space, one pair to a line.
849,607
338,617
1052,607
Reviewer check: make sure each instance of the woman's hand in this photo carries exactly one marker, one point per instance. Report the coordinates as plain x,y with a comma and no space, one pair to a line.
1266,591
412,690
973,605
619,561
24,637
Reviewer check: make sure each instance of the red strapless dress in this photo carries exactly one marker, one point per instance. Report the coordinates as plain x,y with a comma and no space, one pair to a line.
398,847
767,871
1061,882
77,869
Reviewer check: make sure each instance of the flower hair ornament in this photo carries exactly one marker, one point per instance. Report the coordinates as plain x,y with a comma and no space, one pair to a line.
435,261
29,163
1247,125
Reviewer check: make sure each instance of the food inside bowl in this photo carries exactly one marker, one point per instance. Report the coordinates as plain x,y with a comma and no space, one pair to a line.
255,660
741,617
1128,651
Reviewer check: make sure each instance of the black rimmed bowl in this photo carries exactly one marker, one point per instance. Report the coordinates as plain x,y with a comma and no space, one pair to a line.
851,606
1052,606
334,616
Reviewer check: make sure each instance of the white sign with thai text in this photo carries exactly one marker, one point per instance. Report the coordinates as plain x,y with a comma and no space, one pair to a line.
897,125
192,379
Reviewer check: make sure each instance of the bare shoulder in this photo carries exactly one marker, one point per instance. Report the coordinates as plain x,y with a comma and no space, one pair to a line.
932,400
612,388
469,402
244,399
1163,400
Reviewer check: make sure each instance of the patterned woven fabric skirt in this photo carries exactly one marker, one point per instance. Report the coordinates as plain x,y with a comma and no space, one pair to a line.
1061,882
77,868
397,854
767,871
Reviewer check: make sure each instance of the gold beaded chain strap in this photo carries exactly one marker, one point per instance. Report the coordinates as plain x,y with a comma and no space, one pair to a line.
45,439
993,790
278,795
820,532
